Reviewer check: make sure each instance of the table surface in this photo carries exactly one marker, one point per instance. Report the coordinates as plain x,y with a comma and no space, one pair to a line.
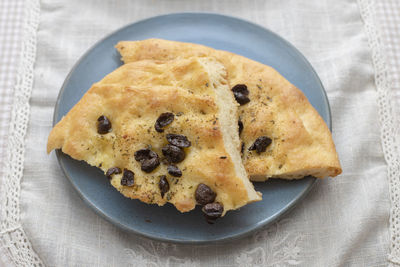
11,20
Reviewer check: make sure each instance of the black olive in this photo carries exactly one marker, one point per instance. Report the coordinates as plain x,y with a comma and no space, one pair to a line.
145,153
261,144
178,140
163,185
111,171
103,125
241,94
148,159
163,120
148,165
173,153
174,171
127,178
213,211
240,123
204,194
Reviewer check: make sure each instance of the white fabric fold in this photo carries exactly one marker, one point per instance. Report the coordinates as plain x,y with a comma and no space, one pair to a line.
343,221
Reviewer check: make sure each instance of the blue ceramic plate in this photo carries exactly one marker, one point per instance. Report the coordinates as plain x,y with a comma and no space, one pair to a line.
166,223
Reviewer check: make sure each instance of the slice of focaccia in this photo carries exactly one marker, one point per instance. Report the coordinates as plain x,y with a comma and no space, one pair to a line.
283,135
162,132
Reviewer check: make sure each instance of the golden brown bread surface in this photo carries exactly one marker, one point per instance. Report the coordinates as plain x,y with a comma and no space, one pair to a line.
302,143
132,98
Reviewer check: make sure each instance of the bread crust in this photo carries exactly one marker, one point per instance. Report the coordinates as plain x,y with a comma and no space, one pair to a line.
132,98
302,143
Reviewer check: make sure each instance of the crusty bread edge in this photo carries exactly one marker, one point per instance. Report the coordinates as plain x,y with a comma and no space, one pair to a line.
228,117
294,98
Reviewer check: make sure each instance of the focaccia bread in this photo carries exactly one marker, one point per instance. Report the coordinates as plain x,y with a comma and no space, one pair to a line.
283,135
162,132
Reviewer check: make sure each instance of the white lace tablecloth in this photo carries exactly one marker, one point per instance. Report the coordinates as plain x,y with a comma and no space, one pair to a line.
352,220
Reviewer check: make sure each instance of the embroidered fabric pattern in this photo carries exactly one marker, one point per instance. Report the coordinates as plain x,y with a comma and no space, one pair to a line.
274,246
282,248
12,235
390,141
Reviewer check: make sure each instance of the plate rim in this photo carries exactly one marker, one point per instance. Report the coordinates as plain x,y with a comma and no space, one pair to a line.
258,226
